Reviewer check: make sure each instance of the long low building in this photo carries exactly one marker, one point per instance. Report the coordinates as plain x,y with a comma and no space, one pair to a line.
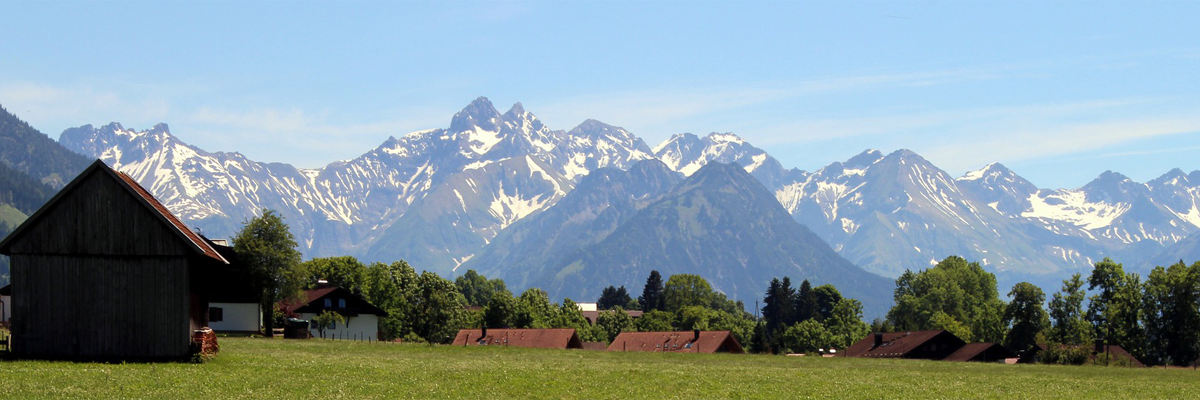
677,342
531,338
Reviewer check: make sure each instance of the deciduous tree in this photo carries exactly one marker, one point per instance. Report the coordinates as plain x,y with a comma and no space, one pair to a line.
268,250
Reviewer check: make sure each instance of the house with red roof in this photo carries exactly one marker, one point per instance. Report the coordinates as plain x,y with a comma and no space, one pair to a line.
103,269
362,317
695,341
529,338
928,345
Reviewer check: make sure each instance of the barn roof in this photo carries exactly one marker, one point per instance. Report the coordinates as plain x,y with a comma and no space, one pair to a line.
195,241
683,342
894,344
972,350
534,338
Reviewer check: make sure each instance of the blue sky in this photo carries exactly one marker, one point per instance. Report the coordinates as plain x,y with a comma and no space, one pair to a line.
1058,91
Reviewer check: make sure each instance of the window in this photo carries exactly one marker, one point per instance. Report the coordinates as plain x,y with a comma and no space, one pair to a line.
687,346
216,314
341,303
328,303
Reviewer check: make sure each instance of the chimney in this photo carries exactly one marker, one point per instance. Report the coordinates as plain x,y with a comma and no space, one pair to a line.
321,283
878,339
1099,345
695,335
483,333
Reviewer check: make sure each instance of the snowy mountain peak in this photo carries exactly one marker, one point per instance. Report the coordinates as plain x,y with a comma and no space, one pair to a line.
990,172
1174,177
866,158
517,109
479,114
725,137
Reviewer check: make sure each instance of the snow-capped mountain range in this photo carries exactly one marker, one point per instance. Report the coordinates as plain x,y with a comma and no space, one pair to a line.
438,197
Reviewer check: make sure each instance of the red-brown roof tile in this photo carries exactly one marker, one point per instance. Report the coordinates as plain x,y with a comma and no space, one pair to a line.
682,342
980,352
899,344
533,338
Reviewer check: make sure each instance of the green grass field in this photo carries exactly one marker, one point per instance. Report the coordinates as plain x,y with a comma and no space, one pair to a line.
315,369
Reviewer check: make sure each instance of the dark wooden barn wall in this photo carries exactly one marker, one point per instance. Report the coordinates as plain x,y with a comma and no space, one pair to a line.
99,274
100,217
77,306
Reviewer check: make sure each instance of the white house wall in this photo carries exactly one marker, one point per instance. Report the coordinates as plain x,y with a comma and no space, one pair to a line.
239,317
362,327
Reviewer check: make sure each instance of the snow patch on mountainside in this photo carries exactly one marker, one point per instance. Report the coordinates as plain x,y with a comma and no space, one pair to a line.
1072,207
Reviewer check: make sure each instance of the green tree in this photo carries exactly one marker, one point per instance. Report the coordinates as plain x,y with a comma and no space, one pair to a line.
807,306
779,305
806,337
534,310
961,290
345,272
268,250
440,309
1026,316
1115,313
1066,308
1172,314
569,316
655,321
612,297
652,294
614,322
827,298
477,289
500,311
946,322
327,320
685,290
845,324
393,287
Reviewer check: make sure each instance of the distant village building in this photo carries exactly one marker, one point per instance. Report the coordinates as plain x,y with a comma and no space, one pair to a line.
928,345
677,342
1095,352
104,270
362,317
982,352
531,338
592,316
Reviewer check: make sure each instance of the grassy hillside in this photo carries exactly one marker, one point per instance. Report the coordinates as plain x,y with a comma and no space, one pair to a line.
263,368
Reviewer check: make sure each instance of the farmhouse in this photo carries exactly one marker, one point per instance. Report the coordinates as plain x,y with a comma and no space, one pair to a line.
104,270
233,301
534,338
929,345
677,342
362,317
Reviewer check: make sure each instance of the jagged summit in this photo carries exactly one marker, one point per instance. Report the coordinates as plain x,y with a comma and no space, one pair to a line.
480,113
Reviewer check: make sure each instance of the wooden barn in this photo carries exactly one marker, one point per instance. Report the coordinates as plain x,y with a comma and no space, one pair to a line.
104,270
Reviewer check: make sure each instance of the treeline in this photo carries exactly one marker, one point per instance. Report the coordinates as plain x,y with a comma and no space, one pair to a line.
426,307
1156,320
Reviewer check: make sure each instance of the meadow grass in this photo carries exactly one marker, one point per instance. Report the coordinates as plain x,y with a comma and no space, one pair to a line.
307,369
